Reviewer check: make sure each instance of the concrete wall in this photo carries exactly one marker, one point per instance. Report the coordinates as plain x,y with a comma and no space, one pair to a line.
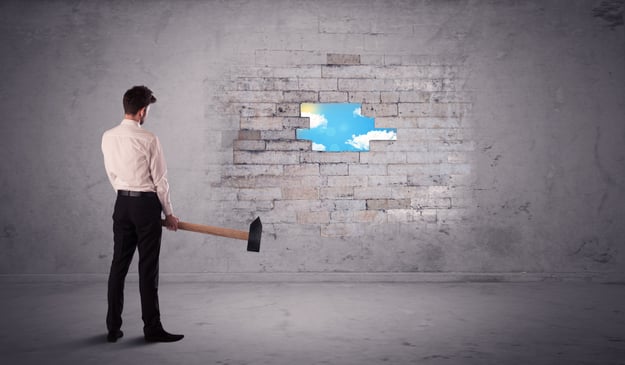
509,156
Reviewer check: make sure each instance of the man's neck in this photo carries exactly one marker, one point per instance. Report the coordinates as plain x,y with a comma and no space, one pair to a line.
136,118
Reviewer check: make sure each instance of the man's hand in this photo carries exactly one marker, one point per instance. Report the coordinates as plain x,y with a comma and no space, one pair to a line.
171,222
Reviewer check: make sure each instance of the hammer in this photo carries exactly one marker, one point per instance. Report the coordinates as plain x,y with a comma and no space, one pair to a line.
252,237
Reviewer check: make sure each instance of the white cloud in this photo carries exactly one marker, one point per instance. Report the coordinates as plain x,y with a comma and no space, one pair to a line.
318,147
361,142
357,112
316,120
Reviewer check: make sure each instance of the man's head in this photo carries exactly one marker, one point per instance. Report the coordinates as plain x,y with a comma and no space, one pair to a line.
136,101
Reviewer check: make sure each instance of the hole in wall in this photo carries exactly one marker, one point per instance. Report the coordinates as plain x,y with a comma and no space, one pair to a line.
340,127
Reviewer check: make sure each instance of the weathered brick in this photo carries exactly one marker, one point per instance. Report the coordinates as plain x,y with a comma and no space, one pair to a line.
256,109
341,230
351,181
313,217
246,134
300,70
286,134
302,169
254,96
300,193
330,157
295,145
347,204
364,97
341,192
384,204
431,202
356,170
266,157
389,181
301,96
379,110
285,83
370,216
369,84
433,110
318,84
382,157
284,58
253,170
343,59
341,216
249,145
401,215
334,169
373,193
259,194
447,134
333,97
288,110
262,123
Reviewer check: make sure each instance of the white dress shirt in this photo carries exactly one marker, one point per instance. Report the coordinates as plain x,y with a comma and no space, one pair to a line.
134,161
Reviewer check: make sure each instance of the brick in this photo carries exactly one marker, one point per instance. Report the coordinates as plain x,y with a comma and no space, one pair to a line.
288,110
400,145
246,134
379,110
285,83
342,192
263,123
356,170
370,216
428,180
426,84
286,134
401,215
254,84
348,84
347,204
256,109
284,58
373,193
439,122
300,70
333,169
266,157
341,230
295,145
330,157
364,97
254,96
415,96
251,170
300,193
249,145
301,170
389,181
451,146
301,96
333,97
431,202
382,157
318,84
427,158
347,181
433,110
313,217
342,59
259,194
453,97
384,204
341,216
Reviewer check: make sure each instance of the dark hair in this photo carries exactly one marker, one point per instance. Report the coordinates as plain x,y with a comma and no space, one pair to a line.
137,98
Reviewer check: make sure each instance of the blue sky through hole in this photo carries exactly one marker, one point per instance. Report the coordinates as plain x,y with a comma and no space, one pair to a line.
340,127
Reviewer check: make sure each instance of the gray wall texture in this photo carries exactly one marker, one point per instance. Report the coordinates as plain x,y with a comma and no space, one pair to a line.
509,158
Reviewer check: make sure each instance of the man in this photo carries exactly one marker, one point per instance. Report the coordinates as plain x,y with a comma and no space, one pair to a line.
136,167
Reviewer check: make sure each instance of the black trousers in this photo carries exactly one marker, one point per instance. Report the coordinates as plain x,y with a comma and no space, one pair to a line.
136,224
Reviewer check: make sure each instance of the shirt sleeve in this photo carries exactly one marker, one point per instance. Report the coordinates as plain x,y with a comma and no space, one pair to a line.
158,172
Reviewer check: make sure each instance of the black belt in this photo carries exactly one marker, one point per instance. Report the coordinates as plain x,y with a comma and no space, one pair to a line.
135,194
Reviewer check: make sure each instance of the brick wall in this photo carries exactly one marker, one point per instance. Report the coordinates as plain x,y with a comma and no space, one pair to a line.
421,178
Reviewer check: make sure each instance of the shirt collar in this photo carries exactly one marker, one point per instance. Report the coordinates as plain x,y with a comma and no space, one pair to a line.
131,122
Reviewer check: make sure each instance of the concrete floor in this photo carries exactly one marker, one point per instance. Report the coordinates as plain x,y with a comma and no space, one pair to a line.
322,323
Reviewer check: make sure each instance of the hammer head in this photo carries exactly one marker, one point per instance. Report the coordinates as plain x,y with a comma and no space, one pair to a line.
253,240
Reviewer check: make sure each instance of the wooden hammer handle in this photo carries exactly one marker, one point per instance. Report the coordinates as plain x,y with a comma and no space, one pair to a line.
216,231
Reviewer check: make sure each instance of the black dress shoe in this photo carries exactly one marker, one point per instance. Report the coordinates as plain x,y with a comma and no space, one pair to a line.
113,336
162,336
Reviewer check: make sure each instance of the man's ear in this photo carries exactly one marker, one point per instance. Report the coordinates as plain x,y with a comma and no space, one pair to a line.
142,111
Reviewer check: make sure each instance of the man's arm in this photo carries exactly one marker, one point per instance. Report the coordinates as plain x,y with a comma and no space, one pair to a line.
158,171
